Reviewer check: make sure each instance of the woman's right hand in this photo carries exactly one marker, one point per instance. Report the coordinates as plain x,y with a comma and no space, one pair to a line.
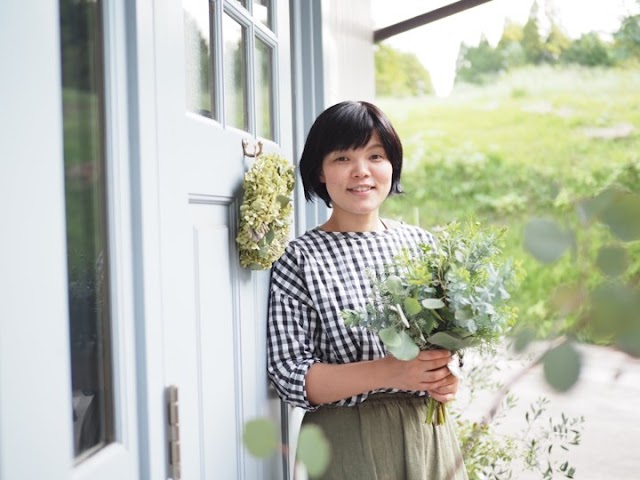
427,372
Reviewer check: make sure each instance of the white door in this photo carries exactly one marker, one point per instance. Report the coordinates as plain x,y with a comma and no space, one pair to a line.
222,76
67,371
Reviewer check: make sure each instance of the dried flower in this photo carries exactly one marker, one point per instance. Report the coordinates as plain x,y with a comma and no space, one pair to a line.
265,211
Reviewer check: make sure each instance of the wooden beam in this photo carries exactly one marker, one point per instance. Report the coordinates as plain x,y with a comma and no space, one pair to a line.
432,16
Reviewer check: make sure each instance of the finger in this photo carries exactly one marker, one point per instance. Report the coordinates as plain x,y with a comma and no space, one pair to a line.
445,389
435,378
435,364
448,381
442,398
434,354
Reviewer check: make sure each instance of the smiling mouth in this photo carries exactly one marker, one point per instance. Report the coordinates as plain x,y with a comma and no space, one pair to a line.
360,189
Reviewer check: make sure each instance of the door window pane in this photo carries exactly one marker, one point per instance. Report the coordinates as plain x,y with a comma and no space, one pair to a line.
197,46
235,78
87,249
262,12
264,89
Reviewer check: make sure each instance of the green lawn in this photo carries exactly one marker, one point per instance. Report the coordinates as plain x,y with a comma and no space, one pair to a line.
528,145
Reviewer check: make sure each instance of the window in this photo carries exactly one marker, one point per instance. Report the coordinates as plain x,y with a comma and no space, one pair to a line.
86,217
230,55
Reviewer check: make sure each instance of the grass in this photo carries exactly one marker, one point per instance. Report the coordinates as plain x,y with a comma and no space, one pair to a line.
521,147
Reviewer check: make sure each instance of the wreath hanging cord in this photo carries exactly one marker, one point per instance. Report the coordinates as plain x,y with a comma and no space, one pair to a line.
265,212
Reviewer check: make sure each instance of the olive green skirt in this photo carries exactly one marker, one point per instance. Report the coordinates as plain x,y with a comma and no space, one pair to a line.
386,438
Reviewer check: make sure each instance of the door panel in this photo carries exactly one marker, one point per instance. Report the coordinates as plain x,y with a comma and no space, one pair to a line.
214,313
220,370
64,248
35,395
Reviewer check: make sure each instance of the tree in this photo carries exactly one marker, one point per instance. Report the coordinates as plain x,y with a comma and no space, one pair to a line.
510,45
555,44
627,39
531,39
588,50
475,64
400,74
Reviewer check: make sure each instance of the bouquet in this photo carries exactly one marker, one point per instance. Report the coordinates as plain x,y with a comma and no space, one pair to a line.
451,296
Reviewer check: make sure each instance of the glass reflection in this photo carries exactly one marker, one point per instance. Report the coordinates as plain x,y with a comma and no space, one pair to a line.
262,12
264,89
197,54
235,83
89,322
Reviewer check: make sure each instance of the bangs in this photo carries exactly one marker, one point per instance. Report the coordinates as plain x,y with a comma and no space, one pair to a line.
351,130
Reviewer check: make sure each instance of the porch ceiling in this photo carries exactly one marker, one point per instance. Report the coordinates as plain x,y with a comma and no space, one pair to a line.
431,16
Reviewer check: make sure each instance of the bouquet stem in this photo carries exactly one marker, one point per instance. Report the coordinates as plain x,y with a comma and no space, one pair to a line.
436,412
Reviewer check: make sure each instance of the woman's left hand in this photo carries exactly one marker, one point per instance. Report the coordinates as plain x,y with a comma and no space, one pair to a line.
446,390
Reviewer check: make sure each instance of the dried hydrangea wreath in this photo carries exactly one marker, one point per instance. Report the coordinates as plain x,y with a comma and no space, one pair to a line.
265,211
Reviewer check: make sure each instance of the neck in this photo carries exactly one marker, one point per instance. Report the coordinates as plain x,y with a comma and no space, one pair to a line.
356,223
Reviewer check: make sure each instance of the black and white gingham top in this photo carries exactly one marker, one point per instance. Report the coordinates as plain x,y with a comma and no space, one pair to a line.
319,275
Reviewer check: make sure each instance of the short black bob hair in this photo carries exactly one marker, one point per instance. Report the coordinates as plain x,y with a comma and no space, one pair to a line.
347,125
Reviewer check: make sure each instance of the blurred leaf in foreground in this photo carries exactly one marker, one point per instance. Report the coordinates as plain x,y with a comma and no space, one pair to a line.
313,450
562,367
260,437
545,240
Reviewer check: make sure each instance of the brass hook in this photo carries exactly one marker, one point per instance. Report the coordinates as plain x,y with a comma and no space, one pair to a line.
256,150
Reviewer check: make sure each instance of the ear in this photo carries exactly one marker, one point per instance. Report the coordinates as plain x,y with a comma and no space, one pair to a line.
321,177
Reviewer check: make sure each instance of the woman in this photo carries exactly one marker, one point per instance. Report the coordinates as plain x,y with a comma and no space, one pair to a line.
370,405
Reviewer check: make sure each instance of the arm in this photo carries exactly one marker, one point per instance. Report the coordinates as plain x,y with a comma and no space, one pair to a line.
326,383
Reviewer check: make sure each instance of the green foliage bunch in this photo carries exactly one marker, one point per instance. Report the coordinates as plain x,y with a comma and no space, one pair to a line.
453,296
265,211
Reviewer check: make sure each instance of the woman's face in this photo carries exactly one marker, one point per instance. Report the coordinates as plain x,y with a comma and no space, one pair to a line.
357,180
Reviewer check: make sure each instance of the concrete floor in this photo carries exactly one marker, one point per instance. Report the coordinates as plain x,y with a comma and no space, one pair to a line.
607,395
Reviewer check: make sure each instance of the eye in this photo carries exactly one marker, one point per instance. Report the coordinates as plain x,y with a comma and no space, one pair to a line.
341,159
377,157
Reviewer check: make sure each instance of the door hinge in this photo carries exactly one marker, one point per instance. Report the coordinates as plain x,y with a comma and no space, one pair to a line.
174,432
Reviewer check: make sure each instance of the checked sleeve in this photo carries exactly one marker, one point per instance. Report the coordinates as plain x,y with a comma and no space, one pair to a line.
292,324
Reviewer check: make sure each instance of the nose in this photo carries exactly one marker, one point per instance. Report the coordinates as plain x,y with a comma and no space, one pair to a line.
360,167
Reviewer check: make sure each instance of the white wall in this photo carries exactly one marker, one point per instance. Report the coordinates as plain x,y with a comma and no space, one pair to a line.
348,50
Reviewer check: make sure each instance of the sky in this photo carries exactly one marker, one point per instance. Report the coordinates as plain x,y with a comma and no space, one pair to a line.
437,44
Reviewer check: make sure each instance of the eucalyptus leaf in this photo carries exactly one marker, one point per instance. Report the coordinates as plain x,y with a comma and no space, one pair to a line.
412,306
612,303
622,216
260,437
394,285
612,260
390,337
590,208
545,240
407,350
432,303
314,450
448,341
562,367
